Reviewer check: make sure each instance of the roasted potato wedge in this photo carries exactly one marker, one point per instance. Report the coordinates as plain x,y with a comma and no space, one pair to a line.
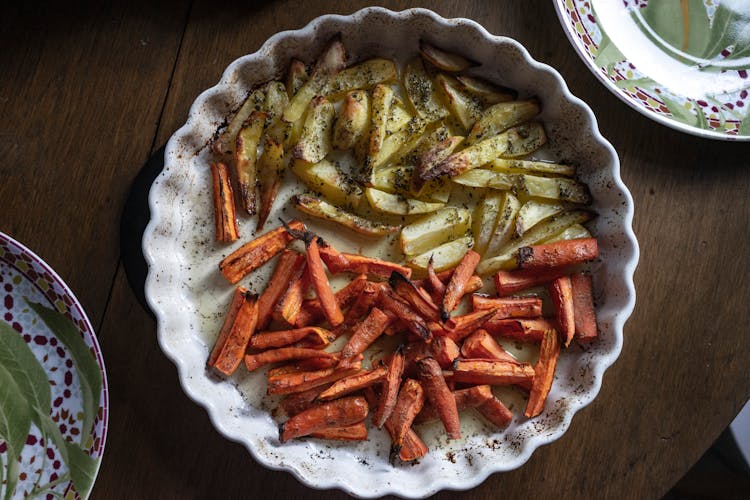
246,156
296,77
431,155
400,143
485,219
225,142
534,211
398,117
315,140
382,98
464,106
352,120
324,210
553,188
276,100
420,91
443,60
488,92
270,173
397,204
396,179
433,230
445,256
574,232
361,76
325,178
481,178
526,166
505,227
500,117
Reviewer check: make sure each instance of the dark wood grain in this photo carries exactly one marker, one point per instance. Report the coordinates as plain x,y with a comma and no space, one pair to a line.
87,99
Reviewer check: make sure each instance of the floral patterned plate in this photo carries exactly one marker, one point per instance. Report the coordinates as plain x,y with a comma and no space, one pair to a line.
53,386
682,63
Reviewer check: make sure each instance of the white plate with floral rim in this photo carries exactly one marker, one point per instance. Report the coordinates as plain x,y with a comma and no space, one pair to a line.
53,386
685,64
189,296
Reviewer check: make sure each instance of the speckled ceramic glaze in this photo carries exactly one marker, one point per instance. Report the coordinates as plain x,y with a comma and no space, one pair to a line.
189,296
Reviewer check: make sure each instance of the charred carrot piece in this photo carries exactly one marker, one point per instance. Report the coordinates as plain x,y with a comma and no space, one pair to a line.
338,262
496,412
561,292
257,252
354,383
301,401
309,336
459,327
422,305
412,446
271,170
298,381
523,329
413,321
255,361
408,404
238,327
225,217
312,310
321,284
365,334
583,305
290,263
544,373
439,396
354,432
481,344
470,397
455,288
510,282
493,372
338,413
514,307
558,254
390,388
288,307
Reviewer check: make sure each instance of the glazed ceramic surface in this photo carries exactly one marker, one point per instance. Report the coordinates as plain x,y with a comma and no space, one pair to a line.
190,297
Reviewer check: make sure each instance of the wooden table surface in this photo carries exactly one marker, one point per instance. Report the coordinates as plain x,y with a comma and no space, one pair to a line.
89,94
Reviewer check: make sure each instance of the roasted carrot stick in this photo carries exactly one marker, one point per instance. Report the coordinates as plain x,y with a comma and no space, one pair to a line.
510,282
459,327
496,412
412,446
524,329
289,264
561,293
442,349
239,325
311,364
436,285
583,305
301,401
480,344
364,334
361,306
321,284
470,397
270,171
335,261
338,262
225,217
439,396
255,361
412,321
288,307
353,432
544,373
257,252
354,383
391,384
338,413
409,403
455,288
312,311
513,307
422,305
309,336
558,254
493,372
298,381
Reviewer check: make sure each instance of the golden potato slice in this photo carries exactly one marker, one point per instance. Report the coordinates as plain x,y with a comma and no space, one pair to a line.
502,116
443,60
224,143
315,140
397,204
296,77
420,91
488,92
485,219
533,212
574,232
361,76
431,155
505,228
398,117
246,156
352,121
445,256
433,230
553,188
464,106
382,98
324,210
325,178
482,178
523,166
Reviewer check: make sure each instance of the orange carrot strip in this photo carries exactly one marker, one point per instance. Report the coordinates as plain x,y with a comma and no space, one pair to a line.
459,327
345,411
412,446
510,282
390,388
338,262
354,383
461,275
309,336
361,306
409,403
480,344
561,292
514,307
225,217
301,401
353,432
312,311
544,373
470,397
321,284
413,321
365,334
583,305
255,361
439,396
422,304
558,254
298,381
493,372
311,364
238,327
524,329
474,284
496,412
288,307
289,264
257,252
335,261
437,286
